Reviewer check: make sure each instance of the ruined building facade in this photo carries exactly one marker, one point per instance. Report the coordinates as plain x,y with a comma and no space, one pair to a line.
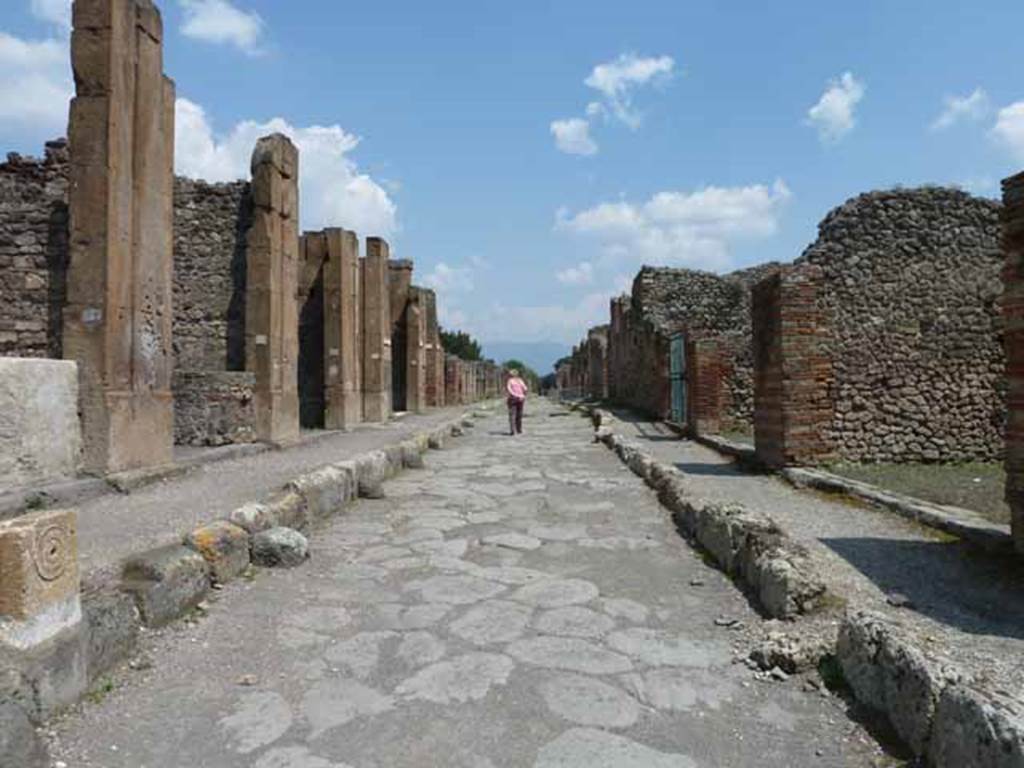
194,313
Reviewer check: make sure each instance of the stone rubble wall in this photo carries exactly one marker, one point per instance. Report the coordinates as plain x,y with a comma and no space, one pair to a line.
213,408
665,301
33,252
910,293
211,222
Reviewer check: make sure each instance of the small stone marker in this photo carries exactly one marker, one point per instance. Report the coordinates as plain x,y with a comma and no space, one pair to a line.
40,609
224,546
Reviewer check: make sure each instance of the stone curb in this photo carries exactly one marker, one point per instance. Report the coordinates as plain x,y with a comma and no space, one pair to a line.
943,716
161,585
748,546
962,523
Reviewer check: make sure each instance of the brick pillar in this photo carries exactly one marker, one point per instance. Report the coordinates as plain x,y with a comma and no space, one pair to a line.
416,357
117,320
792,370
1013,311
342,382
376,332
704,386
272,283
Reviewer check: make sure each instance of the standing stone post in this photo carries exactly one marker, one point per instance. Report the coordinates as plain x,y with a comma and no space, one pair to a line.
42,657
1013,311
341,337
376,332
416,357
271,309
117,320
433,352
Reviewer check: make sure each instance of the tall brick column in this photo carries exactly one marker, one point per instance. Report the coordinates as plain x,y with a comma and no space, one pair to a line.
792,370
704,386
117,320
343,380
1013,310
272,278
376,332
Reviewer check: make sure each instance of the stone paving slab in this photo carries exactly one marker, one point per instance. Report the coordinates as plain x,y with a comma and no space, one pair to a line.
113,526
417,636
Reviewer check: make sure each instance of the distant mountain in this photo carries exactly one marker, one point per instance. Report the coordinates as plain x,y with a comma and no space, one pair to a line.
539,355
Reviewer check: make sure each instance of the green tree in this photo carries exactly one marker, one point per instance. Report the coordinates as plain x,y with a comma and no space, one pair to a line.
461,344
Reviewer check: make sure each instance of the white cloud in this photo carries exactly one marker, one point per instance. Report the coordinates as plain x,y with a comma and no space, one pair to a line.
35,86
833,115
333,191
581,274
218,21
956,108
57,12
572,136
1009,129
695,229
617,79
446,279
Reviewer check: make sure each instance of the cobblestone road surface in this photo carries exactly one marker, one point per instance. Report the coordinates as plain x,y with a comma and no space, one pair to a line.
521,602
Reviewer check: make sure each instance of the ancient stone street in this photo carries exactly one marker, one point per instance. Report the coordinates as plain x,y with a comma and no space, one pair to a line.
519,602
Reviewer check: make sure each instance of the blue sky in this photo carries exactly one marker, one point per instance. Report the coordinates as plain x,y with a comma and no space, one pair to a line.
704,134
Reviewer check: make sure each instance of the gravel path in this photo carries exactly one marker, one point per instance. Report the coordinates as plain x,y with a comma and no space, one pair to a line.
521,602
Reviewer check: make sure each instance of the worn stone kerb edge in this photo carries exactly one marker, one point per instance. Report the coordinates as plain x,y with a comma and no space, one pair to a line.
162,585
747,545
940,713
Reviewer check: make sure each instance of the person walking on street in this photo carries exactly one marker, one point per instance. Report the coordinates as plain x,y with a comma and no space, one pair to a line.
516,389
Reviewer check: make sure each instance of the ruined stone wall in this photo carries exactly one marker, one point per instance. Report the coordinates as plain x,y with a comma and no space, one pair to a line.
33,252
211,222
214,407
704,305
911,296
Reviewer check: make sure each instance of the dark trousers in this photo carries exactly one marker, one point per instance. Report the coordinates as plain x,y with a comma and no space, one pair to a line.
515,416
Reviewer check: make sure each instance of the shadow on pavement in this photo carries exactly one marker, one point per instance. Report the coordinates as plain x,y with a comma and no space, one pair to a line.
973,591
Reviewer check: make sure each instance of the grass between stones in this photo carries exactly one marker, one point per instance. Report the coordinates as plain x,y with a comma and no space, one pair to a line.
977,486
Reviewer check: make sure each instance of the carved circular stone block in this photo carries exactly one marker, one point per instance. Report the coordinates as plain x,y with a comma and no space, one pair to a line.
52,552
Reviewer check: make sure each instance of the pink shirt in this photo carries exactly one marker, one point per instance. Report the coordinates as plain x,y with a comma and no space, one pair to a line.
516,388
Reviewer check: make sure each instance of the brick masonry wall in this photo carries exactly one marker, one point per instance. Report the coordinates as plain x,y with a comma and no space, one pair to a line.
792,369
911,296
1013,309
33,252
704,384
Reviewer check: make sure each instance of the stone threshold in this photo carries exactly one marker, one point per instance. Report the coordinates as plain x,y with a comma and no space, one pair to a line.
962,523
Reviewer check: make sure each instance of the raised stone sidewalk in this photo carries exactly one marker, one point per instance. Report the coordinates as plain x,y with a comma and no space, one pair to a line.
113,526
